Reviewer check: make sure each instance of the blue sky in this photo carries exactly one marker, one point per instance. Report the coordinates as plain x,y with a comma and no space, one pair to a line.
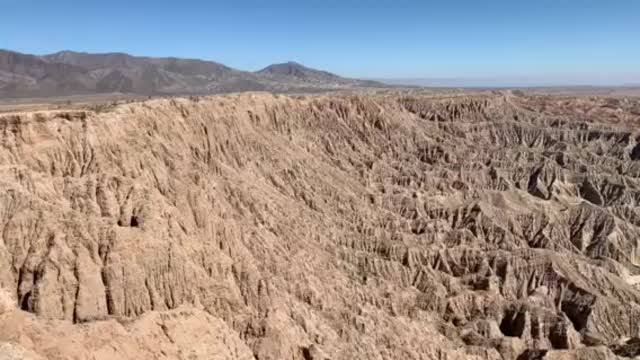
566,41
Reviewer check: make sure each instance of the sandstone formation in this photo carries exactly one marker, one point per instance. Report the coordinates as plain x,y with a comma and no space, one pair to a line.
258,226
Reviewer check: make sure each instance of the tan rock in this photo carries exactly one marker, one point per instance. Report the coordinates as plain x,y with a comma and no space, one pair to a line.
386,226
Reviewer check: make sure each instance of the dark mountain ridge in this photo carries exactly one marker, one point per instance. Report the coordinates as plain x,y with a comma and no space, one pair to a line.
295,72
77,73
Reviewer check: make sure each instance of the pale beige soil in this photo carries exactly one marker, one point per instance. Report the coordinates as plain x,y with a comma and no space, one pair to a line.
380,226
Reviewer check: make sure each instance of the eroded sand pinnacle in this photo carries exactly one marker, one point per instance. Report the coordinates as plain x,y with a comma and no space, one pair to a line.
495,226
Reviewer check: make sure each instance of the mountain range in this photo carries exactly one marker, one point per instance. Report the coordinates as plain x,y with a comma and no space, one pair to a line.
78,73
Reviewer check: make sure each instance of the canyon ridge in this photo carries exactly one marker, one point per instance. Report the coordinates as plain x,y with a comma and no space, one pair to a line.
391,225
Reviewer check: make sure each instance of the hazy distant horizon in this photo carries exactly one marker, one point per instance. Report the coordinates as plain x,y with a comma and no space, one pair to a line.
399,39
516,82
445,82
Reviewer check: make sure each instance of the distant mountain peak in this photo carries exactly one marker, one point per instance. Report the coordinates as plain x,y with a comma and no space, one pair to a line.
69,72
292,68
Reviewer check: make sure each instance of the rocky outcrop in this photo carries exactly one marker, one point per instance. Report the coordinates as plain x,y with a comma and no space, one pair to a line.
323,227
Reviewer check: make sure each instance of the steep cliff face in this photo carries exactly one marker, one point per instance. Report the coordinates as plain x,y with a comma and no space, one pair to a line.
274,227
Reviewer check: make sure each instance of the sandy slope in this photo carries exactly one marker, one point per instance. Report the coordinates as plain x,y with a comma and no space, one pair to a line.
273,227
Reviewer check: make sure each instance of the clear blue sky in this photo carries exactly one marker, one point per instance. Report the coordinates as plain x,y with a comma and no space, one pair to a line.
566,40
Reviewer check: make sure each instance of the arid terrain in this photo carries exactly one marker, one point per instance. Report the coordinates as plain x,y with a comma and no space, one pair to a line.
418,225
70,73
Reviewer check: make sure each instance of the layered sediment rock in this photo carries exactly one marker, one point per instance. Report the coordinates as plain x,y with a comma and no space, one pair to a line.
326,227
